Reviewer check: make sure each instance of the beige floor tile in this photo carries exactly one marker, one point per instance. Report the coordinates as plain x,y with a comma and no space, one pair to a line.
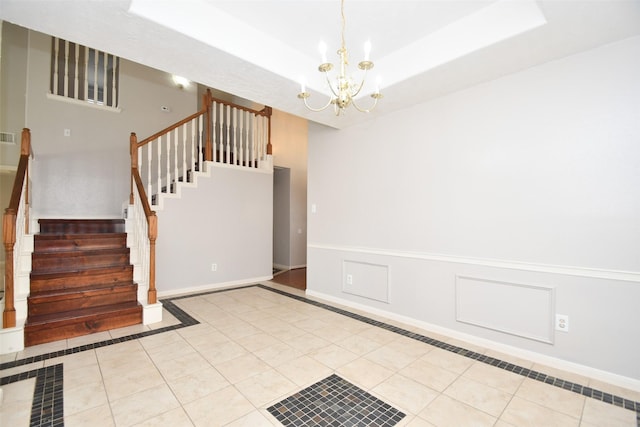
195,330
523,413
267,387
410,346
175,418
333,356
241,368
42,349
257,341
9,357
161,340
447,360
81,376
15,414
332,334
123,351
494,377
381,336
304,371
167,320
253,419
390,357
414,422
480,396
144,405
223,352
359,345
131,381
79,399
308,343
170,351
88,339
99,416
602,414
430,375
206,340
445,411
364,373
405,394
277,354
19,391
182,365
224,406
554,398
311,324
75,360
238,330
197,384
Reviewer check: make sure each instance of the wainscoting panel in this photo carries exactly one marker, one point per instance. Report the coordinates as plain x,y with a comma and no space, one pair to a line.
366,280
522,310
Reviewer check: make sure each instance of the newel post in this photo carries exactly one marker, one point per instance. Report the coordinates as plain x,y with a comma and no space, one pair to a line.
208,150
133,144
152,219
267,113
9,240
25,150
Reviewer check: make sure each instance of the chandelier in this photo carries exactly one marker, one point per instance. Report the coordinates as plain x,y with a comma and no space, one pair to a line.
344,89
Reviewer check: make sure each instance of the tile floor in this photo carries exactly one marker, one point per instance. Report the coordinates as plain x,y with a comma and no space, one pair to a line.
226,358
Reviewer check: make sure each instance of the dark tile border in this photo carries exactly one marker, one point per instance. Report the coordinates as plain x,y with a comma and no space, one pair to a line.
47,408
187,320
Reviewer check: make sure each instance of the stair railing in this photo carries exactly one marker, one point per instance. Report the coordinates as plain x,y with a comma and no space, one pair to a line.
220,132
15,223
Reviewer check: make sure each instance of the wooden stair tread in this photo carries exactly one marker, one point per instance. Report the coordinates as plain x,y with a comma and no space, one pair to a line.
74,226
82,252
50,319
81,291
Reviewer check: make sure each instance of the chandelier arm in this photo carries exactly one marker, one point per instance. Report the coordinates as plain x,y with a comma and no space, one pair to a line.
324,107
333,91
363,110
364,78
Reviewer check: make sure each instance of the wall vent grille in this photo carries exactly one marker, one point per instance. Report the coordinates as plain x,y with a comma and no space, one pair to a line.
7,138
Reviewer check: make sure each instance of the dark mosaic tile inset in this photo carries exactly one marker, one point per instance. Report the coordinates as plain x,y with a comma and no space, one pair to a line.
47,408
334,402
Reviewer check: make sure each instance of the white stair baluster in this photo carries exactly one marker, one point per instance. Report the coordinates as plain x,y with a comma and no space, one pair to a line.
86,73
176,172
76,82
149,161
184,153
66,68
200,159
158,178
235,136
56,47
95,76
228,125
240,131
247,120
214,132
193,147
105,87
168,165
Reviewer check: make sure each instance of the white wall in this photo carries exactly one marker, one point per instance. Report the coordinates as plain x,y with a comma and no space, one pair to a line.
87,174
226,220
282,217
531,179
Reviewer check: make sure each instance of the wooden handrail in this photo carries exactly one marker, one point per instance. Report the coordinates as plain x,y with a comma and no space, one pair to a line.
9,228
152,219
170,128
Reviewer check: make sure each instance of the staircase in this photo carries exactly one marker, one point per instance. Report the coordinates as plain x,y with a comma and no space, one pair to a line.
81,280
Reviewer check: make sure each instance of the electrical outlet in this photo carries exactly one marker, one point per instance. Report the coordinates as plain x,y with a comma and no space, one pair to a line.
349,279
214,267
562,322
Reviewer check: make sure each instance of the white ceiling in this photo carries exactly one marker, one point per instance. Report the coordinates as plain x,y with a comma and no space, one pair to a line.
260,49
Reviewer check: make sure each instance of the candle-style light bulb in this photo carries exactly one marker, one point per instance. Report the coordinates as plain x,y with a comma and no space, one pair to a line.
302,86
322,47
367,50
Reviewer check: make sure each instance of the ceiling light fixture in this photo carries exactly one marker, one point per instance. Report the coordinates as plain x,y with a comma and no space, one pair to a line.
344,89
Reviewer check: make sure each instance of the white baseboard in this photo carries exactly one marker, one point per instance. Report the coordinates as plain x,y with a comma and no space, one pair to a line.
212,286
604,376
